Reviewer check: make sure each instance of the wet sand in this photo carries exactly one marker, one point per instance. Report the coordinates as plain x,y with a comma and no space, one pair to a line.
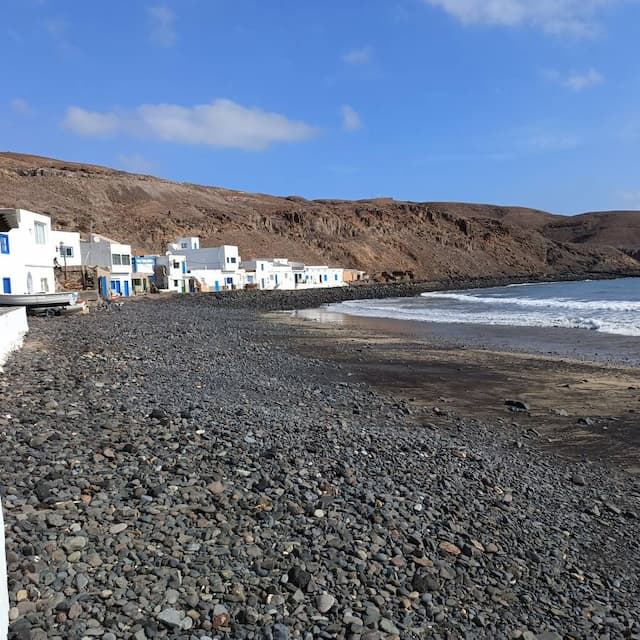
582,388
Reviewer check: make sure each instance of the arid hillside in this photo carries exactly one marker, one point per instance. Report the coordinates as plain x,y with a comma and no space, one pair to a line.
431,239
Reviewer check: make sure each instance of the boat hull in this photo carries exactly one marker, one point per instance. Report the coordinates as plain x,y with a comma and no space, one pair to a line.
37,300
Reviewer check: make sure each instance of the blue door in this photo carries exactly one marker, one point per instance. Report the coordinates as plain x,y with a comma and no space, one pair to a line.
276,279
184,267
6,285
217,285
102,286
126,288
115,286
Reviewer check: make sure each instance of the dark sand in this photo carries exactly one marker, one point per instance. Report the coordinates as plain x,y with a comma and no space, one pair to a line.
582,387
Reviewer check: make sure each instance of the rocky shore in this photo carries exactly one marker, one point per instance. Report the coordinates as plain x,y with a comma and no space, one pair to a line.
171,469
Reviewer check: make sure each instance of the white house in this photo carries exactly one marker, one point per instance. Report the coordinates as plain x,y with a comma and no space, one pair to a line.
321,276
188,242
214,268
26,252
99,251
171,273
67,248
279,273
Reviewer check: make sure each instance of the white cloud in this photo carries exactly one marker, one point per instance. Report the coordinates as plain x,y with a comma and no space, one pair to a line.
20,105
358,56
222,123
576,17
576,81
135,163
91,123
163,31
350,118
586,80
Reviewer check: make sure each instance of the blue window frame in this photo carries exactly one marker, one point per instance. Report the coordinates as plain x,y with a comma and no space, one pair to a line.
4,243
6,285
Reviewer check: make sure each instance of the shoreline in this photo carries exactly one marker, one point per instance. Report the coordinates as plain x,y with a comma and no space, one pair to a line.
582,401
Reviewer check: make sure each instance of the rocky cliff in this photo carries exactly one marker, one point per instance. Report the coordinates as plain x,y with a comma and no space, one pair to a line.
433,240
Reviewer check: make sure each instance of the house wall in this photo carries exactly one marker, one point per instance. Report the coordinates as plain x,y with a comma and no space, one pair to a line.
28,262
188,242
70,241
225,258
99,251
175,268
321,277
217,279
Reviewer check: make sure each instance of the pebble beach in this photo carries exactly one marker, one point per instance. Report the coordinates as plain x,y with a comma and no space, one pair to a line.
173,469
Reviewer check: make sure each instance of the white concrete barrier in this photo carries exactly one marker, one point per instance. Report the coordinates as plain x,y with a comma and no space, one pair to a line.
4,589
13,327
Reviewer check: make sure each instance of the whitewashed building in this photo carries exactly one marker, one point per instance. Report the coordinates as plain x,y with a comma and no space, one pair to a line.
67,248
189,243
99,251
26,252
279,273
210,268
171,273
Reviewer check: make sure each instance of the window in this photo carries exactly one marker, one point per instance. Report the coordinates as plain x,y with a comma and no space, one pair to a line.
116,258
66,252
126,259
175,283
233,260
176,264
4,243
335,276
40,230
44,285
262,267
229,280
183,245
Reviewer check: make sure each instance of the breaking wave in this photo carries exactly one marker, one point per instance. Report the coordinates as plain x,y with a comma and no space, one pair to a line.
605,306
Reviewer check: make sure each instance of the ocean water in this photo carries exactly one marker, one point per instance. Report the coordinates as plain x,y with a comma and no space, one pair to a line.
606,306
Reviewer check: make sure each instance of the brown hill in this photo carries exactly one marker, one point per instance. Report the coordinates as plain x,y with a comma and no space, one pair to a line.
431,239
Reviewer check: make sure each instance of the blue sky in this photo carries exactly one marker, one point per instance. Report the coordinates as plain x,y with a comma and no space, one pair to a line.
530,102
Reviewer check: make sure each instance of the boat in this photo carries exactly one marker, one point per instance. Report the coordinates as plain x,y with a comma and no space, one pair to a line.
37,300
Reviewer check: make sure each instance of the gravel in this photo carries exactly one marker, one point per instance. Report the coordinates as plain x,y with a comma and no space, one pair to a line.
175,470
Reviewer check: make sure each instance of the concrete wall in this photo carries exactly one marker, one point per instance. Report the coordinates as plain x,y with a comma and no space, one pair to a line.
4,587
13,328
